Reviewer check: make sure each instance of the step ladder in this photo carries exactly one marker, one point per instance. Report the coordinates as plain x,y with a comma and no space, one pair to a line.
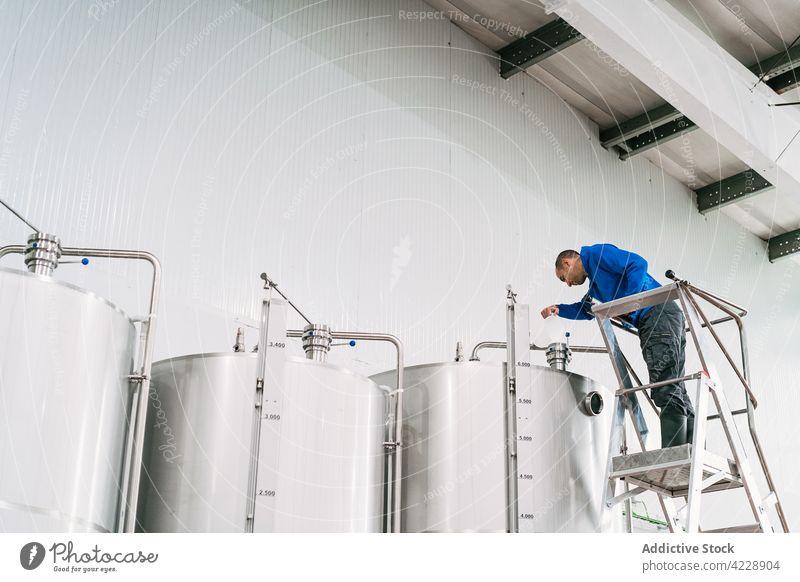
688,471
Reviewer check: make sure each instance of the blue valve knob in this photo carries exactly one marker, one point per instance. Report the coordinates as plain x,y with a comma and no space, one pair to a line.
84,261
352,343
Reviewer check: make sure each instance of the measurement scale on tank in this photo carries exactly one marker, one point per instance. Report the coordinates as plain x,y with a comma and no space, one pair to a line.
263,493
519,418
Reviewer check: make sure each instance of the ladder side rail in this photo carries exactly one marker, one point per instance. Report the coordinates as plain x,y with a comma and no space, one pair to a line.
695,488
752,403
618,440
740,457
667,506
728,424
694,329
701,413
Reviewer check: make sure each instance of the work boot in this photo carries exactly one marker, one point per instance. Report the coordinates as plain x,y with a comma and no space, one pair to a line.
673,429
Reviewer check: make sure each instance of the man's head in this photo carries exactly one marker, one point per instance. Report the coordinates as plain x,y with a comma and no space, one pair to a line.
569,268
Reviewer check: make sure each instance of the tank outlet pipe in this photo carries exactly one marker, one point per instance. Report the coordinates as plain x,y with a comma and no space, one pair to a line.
133,472
395,446
317,341
42,253
558,355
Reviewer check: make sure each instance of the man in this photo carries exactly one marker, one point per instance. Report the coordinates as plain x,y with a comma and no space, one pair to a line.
614,273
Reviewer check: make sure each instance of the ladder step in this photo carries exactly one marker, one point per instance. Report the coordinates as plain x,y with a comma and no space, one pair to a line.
666,471
752,528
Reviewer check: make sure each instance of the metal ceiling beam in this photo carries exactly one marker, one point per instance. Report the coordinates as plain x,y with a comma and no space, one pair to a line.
538,45
655,42
729,190
639,124
657,136
782,62
784,245
786,81
658,125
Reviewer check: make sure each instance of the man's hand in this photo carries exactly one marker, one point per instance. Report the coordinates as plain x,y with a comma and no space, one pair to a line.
548,311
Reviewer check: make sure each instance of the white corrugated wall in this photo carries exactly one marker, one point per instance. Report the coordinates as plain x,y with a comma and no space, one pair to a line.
372,163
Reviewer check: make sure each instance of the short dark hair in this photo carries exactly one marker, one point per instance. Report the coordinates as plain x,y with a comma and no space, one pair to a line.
567,254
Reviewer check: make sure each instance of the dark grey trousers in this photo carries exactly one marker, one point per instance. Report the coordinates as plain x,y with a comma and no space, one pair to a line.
662,337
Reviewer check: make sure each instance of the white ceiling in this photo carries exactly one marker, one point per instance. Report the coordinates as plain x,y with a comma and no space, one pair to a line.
590,81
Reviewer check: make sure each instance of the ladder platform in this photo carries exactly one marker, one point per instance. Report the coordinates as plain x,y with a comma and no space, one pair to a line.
666,471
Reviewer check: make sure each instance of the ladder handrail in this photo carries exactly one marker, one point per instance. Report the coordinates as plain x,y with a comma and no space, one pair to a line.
742,378
751,403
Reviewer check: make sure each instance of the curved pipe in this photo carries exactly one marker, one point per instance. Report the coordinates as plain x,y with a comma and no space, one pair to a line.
502,345
580,349
134,470
398,429
11,249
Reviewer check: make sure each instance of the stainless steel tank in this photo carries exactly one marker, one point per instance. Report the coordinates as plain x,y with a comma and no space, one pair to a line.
329,454
454,449
64,405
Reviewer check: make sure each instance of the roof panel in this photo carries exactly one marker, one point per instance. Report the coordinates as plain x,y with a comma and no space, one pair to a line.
601,80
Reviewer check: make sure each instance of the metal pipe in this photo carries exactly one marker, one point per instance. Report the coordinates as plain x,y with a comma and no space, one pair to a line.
397,445
11,249
742,311
737,412
622,391
502,345
670,274
147,363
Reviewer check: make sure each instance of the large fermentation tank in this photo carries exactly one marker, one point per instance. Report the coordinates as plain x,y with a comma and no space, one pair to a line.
64,405
454,449
329,458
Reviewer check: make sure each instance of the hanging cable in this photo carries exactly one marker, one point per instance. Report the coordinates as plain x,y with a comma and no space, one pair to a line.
18,215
